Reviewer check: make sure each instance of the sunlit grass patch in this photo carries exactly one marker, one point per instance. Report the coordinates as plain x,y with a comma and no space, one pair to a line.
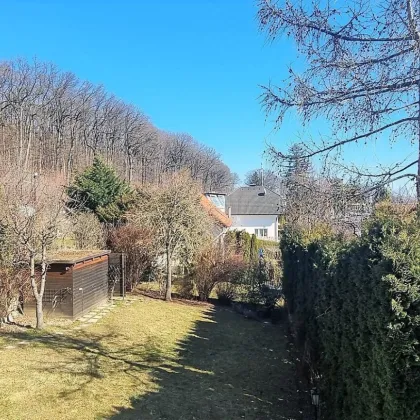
148,360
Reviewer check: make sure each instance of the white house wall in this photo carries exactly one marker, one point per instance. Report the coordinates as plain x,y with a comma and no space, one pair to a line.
251,222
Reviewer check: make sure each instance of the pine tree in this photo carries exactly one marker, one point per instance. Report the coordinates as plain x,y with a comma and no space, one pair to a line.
99,190
298,165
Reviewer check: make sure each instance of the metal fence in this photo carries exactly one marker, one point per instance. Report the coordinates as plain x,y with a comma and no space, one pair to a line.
117,274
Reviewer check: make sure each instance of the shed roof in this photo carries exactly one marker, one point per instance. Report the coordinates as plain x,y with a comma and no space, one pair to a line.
75,256
254,200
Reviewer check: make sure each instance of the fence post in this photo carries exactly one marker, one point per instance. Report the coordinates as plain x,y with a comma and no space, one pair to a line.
122,278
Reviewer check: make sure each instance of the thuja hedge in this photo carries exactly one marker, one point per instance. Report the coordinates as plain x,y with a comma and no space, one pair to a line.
357,307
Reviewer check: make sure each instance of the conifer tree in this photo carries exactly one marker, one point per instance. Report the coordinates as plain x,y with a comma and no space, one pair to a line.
99,190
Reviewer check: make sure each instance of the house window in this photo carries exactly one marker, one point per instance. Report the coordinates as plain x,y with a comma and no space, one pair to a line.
262,233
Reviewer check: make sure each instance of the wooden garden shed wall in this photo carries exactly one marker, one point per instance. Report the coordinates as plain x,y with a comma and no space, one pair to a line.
92,278
73,287
58,287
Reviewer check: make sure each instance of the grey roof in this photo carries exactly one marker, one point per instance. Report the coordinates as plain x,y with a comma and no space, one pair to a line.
254,200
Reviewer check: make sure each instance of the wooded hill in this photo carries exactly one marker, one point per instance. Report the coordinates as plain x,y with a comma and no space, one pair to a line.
52,121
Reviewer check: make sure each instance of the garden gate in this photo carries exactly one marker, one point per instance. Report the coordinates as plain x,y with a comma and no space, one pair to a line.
116,274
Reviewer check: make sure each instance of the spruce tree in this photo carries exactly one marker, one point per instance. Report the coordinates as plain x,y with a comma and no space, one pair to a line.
99,190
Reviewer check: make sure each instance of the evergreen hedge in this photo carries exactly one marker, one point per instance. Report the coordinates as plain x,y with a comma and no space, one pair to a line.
357,308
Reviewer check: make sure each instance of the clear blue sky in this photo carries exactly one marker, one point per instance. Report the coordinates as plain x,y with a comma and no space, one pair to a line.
191,65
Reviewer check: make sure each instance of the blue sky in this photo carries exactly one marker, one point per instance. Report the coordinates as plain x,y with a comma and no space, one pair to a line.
191,65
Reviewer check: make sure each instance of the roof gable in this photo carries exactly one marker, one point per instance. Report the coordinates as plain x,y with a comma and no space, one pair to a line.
217,215
254,200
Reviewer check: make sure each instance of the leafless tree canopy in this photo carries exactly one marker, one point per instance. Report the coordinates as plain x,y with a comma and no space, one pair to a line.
268,177
174,213
31,211
52,121
363,71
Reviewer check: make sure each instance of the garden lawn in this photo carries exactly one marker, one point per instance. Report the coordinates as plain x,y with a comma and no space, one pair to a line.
150,360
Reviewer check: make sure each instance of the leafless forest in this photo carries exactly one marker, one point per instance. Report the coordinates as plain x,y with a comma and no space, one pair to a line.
53,122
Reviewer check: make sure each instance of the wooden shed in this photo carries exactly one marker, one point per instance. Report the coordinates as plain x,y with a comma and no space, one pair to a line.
77,282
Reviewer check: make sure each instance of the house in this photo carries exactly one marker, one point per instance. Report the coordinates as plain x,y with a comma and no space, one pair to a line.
214,203
76,282
256,210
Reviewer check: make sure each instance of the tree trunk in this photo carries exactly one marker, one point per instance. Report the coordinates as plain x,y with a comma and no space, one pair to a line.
168,295
130,167
418,154
39,313
38,294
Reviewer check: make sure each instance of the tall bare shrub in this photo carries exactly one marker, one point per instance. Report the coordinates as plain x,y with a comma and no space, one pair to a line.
138,244
215,265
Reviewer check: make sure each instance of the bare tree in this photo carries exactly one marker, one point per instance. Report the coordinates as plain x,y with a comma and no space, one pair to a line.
363,73
173,212
268,177
50,121
31,210
314,199
87,231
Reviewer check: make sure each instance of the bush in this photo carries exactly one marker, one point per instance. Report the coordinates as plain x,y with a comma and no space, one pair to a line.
15,284
139,247
226,293
259,289
88,231
14,287
185,287
357,305
215,265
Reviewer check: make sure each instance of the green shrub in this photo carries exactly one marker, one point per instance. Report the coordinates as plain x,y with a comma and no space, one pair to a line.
259,290
358,307
226,292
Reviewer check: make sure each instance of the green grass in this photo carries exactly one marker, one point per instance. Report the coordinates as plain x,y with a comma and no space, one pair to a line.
150,360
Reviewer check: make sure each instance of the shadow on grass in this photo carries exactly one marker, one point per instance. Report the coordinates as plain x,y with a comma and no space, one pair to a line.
226,368
90,356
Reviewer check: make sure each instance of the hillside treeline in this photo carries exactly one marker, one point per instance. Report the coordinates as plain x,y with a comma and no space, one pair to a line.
51,121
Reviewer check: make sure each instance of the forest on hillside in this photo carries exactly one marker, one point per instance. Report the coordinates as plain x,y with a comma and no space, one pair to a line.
53,122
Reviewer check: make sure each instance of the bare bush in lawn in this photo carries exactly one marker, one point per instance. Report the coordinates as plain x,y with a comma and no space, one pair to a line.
138,244
14,287
216,265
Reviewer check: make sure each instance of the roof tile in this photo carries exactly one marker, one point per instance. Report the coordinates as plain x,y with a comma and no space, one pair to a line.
254,200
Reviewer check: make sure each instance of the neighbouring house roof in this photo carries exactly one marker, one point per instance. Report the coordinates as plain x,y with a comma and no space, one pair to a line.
218,199
254,200
215,213
75,256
